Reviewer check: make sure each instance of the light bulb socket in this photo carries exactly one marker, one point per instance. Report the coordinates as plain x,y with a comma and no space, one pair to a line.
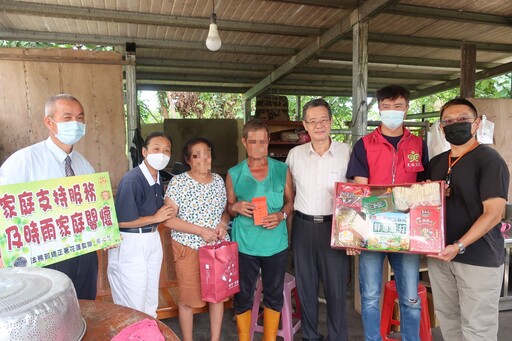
213,18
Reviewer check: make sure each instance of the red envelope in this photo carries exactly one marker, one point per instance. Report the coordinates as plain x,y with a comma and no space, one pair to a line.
261,210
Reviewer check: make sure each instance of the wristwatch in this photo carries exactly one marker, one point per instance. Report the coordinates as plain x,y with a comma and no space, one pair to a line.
461,246
284,215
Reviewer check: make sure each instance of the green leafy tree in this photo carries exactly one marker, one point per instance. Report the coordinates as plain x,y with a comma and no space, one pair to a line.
197,105
33,45
497,87
225,105
146,115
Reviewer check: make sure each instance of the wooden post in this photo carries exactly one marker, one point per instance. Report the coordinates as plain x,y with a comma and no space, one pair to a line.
467,70
299,109
247,109
359,79
131,101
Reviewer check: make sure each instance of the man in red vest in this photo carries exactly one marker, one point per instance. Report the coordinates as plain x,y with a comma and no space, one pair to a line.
389,155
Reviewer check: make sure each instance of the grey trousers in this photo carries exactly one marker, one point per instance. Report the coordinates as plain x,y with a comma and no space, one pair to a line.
466,299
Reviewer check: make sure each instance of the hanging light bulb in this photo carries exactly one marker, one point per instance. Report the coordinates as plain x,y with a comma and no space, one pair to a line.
213,42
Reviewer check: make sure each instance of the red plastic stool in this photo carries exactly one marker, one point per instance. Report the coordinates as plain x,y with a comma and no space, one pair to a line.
288,329
388,306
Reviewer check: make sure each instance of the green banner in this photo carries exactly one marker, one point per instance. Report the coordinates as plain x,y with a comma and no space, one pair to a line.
45,222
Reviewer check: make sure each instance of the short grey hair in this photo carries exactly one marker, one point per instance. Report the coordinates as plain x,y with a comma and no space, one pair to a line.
50,102
317,102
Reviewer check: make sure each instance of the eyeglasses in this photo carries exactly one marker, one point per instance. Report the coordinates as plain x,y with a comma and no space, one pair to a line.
323,122
463,119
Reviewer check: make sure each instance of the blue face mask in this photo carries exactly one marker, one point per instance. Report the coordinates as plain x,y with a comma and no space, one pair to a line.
392,119
70,132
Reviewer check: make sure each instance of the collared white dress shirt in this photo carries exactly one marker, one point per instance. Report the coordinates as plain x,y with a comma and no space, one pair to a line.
41,161
314,176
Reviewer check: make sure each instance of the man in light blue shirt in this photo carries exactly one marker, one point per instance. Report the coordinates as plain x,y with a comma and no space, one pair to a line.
55,158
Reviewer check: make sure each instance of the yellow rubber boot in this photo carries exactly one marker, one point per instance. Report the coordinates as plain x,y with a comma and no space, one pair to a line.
243,323
270,324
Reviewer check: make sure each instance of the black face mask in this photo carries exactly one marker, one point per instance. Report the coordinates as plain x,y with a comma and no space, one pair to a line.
458,133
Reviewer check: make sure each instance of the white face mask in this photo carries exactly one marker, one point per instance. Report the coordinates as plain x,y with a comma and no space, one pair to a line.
69,132
392,119
158,161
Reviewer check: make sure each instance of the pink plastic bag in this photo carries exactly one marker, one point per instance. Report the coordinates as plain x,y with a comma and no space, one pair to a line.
219,271
505,227
145,330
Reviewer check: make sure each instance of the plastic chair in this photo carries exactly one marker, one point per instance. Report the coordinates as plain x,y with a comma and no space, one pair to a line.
388,306
288,329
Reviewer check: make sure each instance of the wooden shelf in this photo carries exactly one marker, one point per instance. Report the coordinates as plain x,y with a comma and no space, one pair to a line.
279,149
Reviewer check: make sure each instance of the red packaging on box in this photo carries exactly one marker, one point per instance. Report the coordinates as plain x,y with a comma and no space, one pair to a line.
426,236
391,218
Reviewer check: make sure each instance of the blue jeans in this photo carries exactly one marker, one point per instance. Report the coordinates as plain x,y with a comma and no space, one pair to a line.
406,272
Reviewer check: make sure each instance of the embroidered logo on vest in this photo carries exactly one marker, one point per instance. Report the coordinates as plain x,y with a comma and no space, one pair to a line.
414,160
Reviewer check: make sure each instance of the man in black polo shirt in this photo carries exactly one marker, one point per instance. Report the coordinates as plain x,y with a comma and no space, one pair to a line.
466,276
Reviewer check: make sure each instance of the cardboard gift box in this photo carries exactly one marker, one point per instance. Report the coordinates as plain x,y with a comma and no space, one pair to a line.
392,218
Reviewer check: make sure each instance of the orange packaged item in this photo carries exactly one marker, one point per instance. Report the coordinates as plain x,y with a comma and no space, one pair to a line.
260,211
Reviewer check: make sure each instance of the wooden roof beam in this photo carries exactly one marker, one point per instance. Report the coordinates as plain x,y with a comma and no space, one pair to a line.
373,73
489,73
97,14
436,42
282,91
398,60
71,38
187,88
344,57
324,3
344,26
299,73
201,79
448,14
206,64
311,50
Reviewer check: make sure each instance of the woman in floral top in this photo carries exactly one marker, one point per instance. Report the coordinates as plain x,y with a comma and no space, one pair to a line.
200,198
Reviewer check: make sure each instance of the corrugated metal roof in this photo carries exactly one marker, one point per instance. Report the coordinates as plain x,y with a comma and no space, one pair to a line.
415,42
